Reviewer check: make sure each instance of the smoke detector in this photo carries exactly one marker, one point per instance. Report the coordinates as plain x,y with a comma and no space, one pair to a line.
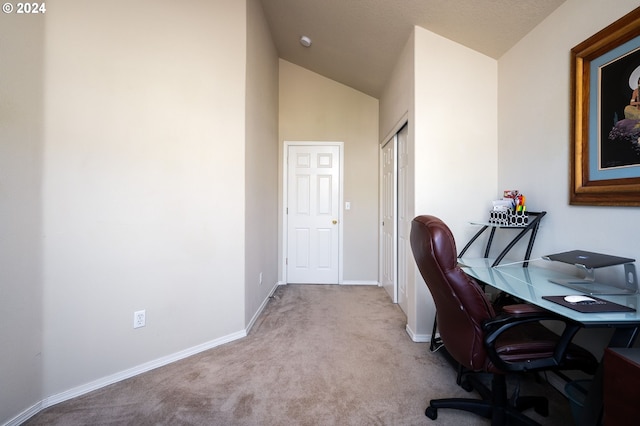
305,41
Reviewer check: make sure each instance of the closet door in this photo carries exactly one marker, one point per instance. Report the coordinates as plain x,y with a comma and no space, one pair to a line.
405,257
396,259
388,198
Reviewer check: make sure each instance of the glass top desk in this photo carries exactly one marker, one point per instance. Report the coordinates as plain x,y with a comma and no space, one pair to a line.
532,283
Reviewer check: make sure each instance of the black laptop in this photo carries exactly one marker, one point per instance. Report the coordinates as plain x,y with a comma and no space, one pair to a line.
588,259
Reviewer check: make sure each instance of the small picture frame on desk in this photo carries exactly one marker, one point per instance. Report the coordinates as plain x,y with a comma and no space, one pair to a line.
605,114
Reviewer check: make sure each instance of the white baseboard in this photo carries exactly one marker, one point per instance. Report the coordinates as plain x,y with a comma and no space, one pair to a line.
25,415
122,375
142,368
418,338
117,377
360,282
349,282
261,308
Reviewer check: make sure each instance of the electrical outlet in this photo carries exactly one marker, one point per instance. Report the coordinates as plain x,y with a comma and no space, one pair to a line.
139,319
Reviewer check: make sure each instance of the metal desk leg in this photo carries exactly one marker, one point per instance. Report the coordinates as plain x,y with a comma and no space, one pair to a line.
475,237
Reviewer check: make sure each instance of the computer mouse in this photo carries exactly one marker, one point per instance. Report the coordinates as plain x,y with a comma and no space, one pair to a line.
583,300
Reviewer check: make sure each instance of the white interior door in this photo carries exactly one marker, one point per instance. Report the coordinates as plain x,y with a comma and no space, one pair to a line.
389,205
313,214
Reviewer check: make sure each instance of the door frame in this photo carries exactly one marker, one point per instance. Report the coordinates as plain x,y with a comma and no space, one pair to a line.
285,199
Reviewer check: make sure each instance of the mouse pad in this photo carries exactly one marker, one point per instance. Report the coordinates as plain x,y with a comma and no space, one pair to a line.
599,306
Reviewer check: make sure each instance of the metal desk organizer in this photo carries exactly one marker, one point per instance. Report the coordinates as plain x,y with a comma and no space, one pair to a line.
524,221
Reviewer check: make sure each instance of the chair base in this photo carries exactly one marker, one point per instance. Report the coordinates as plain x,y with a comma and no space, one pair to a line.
494,404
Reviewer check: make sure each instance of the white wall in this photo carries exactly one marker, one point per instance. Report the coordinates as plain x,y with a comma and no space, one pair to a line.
132,144
534,132
456,131
143,182
397,100
455,140
261,163
534,139
315,108
21,129
451,102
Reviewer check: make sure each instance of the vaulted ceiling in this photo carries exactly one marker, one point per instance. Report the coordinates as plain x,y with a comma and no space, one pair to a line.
356,42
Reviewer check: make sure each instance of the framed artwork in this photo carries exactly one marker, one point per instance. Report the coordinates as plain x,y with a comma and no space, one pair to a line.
605,114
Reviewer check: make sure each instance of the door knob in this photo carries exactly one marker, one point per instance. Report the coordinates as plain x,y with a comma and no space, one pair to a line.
334,221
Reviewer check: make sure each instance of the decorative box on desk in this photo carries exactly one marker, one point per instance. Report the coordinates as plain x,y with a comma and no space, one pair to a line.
508,218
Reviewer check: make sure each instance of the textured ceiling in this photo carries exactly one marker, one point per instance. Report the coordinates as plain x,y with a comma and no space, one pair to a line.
356,42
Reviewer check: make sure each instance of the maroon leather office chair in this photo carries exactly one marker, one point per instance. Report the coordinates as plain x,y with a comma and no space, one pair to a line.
481,341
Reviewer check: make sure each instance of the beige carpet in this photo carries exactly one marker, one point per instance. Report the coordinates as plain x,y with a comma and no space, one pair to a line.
319,355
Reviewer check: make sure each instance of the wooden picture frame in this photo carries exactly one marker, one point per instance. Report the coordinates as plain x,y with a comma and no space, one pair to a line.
605,153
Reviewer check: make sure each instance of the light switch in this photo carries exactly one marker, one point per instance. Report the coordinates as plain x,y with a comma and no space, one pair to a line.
347,205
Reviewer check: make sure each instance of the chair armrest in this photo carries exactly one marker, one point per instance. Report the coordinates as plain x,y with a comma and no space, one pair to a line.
522,308
496,326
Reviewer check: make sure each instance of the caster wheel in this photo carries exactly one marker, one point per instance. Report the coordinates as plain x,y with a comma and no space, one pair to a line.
431,412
